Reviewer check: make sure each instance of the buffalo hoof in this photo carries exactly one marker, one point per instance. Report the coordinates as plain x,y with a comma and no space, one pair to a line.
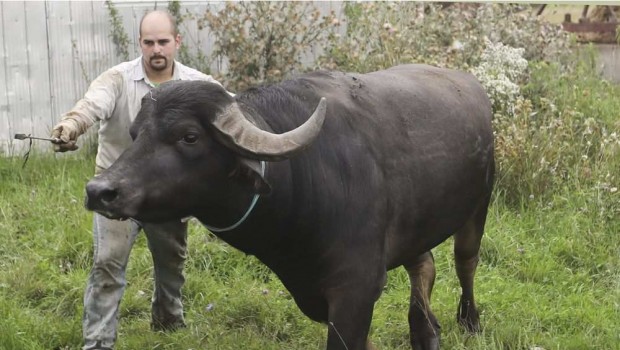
425,344
468,316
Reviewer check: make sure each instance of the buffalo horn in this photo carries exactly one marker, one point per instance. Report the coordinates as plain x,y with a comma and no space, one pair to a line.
239,134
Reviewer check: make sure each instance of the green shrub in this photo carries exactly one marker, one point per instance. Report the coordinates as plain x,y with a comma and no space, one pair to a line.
383,34
501,68
117,32
262,42
563,136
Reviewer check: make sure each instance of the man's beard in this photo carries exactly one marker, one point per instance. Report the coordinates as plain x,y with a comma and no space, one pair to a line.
157,66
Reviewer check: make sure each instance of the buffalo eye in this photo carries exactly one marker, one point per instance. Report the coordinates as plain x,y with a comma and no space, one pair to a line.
190,139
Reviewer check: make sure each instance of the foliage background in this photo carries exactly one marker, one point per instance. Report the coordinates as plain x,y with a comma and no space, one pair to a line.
549,274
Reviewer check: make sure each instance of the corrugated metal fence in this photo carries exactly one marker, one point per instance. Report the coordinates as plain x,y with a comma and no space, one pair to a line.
51,50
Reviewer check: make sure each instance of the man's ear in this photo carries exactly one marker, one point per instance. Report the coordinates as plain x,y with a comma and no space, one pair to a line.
251,173
177,39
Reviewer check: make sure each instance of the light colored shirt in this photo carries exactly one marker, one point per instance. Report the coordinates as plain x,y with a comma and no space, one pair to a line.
114,99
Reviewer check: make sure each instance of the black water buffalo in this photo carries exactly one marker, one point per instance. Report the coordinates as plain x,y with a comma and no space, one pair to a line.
389,165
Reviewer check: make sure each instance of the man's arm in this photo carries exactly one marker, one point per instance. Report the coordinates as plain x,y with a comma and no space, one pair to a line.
98,103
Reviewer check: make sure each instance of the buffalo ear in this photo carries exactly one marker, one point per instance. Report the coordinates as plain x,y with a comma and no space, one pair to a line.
250,173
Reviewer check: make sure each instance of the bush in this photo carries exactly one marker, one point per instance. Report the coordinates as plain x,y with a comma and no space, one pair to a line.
500,69
563,137
262,42
380,35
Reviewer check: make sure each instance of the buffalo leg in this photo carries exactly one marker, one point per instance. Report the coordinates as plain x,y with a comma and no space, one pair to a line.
466,255
424,328
350,315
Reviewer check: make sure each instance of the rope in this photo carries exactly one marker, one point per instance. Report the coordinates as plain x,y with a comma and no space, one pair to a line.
27,155
245,216
338,334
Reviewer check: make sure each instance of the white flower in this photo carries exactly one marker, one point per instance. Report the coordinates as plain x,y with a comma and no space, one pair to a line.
457,45
500,68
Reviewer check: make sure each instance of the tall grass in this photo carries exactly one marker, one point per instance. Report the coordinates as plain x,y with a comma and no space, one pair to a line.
564,136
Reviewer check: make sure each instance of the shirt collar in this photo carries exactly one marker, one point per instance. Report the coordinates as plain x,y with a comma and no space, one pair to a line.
139,73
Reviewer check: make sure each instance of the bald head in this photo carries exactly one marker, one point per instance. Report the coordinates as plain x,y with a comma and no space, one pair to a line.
159,42
158,20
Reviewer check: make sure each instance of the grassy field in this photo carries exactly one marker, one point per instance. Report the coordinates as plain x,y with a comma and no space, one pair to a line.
549,277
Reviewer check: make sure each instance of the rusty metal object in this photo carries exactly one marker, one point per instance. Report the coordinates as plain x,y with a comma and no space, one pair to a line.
590,27
24,136
593,28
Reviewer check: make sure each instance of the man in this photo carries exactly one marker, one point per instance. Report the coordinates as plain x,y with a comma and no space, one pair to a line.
114,99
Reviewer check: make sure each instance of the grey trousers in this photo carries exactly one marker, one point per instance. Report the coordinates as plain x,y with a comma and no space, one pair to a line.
113,241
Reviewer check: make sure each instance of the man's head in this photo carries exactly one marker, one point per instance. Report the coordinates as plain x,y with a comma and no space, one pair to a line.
159,40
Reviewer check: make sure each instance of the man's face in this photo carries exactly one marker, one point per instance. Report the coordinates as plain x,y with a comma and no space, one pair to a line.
158,44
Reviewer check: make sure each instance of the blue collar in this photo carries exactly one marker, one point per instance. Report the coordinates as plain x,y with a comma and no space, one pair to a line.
247,213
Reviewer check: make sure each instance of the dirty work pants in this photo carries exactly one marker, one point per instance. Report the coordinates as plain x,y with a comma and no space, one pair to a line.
113,241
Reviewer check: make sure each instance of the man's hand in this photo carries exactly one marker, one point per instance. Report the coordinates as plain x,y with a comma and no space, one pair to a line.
67,131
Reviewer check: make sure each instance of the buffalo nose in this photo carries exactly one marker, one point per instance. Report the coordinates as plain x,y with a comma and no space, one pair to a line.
99,191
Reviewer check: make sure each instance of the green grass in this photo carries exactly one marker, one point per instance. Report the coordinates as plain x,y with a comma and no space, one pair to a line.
549,277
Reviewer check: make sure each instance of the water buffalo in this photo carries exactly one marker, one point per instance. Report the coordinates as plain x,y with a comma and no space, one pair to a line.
389,165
